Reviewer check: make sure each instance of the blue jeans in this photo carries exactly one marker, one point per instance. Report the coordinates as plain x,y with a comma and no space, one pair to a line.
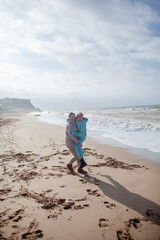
79,149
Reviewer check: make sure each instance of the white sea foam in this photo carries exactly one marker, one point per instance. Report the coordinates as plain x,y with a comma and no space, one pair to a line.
134,126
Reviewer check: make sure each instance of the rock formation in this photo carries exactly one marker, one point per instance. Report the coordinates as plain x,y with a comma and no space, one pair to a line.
15,105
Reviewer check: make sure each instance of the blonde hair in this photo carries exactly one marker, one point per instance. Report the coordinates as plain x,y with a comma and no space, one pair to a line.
79,114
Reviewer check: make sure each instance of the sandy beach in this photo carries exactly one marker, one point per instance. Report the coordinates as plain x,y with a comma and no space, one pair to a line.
118,199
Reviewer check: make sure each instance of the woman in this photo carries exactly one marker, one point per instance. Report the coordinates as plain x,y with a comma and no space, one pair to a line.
70,141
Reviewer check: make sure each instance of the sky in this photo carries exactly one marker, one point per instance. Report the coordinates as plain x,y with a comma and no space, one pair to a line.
80,53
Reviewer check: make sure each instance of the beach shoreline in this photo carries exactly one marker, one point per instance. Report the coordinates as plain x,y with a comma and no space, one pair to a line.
139,153
136,129
40,199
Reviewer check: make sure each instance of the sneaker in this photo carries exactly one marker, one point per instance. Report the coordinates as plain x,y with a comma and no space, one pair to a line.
80,170
82,163
70,168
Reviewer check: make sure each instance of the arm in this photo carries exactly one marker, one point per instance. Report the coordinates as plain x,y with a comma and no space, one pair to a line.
86,119
69,131
81,128
77,134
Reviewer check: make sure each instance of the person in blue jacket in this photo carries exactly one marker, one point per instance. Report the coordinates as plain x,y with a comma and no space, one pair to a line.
81,135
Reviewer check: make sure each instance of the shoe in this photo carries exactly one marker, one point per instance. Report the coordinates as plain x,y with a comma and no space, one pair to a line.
82,163
70,168
80,170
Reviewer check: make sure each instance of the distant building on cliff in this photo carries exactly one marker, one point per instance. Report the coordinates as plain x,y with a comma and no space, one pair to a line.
16,105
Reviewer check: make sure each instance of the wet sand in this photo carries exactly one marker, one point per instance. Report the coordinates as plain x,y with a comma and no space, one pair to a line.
119,198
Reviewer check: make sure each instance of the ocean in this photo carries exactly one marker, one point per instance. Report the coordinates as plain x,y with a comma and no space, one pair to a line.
134,128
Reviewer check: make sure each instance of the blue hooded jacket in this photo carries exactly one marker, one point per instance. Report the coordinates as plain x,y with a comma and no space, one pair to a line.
81,126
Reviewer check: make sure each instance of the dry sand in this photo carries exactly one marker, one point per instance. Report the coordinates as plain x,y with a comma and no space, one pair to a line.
118,199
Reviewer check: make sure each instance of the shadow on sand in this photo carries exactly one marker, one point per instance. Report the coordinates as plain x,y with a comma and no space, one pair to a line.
134,201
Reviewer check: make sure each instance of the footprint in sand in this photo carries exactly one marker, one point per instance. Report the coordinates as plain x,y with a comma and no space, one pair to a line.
109,205
82,181
124,235
16,216
33,235
5,191
94,192
15,226
135,222
45,167
65,152
81,207
53,216
81,199
103,223
68,205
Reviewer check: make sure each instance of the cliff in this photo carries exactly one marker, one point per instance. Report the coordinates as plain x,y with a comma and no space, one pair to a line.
15,105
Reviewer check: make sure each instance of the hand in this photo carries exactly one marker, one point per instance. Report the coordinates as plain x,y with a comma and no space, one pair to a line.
79,144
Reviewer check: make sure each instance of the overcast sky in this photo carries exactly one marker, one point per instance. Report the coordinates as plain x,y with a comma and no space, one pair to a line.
80,53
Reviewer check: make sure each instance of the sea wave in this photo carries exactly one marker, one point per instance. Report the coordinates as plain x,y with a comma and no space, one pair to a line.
134,126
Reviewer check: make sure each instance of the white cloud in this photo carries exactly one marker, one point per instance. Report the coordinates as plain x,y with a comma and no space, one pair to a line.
104,49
